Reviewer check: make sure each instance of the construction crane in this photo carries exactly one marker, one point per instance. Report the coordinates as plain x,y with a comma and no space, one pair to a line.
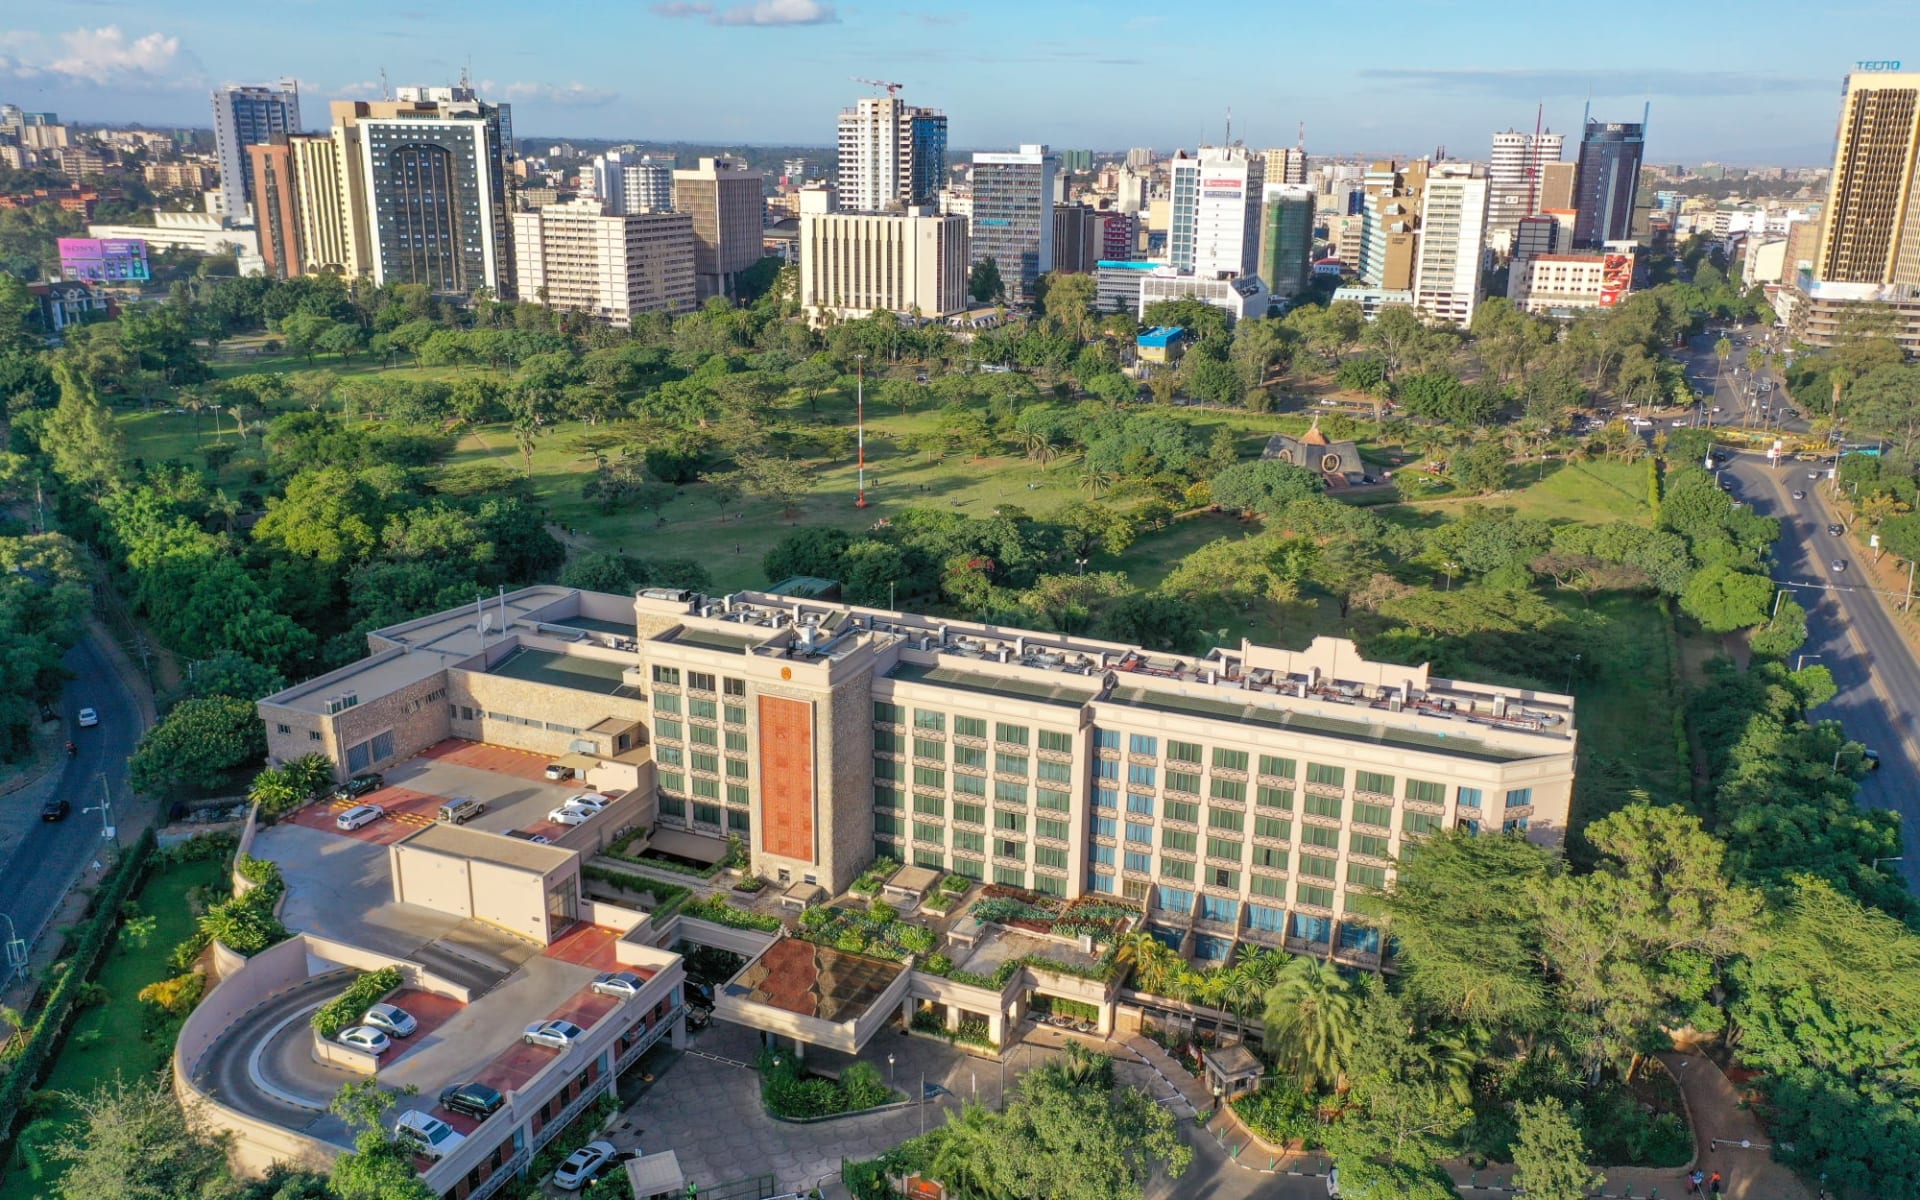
893,89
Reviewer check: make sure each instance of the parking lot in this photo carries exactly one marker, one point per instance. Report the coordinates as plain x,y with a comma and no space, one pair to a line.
509,782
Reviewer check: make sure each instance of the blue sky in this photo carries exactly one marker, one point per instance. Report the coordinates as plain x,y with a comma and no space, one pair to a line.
1400,78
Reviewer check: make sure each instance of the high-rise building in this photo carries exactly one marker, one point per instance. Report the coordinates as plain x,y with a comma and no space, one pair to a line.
1119,235
1076,160
1608,181
1140,158
1286,239
1133,188
577,257
1453,243
1515,179
890,153
1286,164
1556,185
728,203
1215,217
1076,237
319,206
439,192
1390,224
1871,231
247,115
633,183
912,263
1012,221
275,211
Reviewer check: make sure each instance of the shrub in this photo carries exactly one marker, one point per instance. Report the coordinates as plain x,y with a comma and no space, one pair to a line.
882,913
203,847
956,884
788,1092
1278,1113
177,996
262,872
717,910
863,1087
914,939
345,1009
937,964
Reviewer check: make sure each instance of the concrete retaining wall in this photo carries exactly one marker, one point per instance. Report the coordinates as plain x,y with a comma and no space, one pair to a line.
748,942
412,973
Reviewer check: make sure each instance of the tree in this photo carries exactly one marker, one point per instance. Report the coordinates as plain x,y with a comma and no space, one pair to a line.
195,745
1069,303
133,1141
378,1167
1550,1157
813,550
81,436
1265,486
1481,468
1404,1107
984,284
1310,1017
1724,599
1152,619
1886,402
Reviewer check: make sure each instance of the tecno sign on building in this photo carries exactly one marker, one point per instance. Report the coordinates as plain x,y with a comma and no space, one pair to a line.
1878,64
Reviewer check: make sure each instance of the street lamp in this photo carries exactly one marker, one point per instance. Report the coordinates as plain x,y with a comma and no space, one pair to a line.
889,1070
1875,864
860,418
1801,661
105,809
16,951
1571,668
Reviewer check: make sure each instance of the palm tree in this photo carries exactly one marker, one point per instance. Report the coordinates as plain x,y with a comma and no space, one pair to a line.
1450,1058
1149,958
1096,482
1310,1017
1212,989
960,1159
1255,971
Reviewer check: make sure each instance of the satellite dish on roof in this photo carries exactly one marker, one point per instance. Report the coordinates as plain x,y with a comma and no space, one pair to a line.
486,623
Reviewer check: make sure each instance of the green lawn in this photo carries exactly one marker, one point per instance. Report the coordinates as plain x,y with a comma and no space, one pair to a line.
1581,493
1626,703
111,1038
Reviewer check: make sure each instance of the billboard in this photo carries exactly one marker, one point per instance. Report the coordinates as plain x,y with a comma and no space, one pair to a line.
104,260
1616,278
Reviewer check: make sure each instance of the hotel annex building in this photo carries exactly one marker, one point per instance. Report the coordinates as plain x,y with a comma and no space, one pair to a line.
1250,794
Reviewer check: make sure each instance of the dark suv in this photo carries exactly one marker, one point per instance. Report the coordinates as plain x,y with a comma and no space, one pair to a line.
55,809
359,786
473,1099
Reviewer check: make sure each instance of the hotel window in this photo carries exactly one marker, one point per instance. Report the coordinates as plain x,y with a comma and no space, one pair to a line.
704,735
1057,830
1519,797
1319,897
1053,772
1173,868
1180,810
1010,876
929,777
666,702
1010,764
1010,793
889,714
709,763
928,858
1176,900
1467,797
1330,776
1219,847
1017,822
707,788
1232,760
737,741
1324,806
1057,801
1106,739
734,714
1264,918
1139,860
706,814
1175,839
933,806
1141,805
1363,876
1279,767
1134,890
1049,885
1369,781
1419,823
672,756
1009,848
970,840
929,748
1184,752
886,768
1226,818
1136,832
925,718
1469,826
1370,844
1273,827
1223,877
667,675
886,797
1016,734
1106,798
1140,743
967,756
1044,856
1183,781
672,806
704,709
699,681
734,687
929,831
1105,827
1318,868
1229,789
1273,858
1143,776
1425,792
1102,769
1102,855
736,768
973,727
663,728
971,785
973,814
736,794
1321,836
1373,814
1268,797
1059,743
972,868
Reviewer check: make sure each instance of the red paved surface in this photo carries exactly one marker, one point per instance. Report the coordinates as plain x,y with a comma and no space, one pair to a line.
585,1008
431,1010
408,812
588,946
512,1067
522,763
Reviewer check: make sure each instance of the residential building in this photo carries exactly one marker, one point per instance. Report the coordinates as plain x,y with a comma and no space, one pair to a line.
727,201
177,176
32,131
73,200
1871,231
1076,160
1140,158
1076,237
891,153
1119,235
913,263
273,190
1133,189
82,162
1453,243
1286,239
438,192
320,206
579,258
62,303
1607,183
1012,221
633,183
1239,296
1390,224
1515,180
1562,284
1347,233
1214,222
248,115
1286,164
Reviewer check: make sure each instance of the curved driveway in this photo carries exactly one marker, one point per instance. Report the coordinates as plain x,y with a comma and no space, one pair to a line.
263,1063
1851,635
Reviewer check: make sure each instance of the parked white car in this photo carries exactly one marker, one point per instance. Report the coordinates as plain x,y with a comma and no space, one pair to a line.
592,800
554,1035
88,718
358,815
429,1134
572,816
581,1166
624,984
365,1037
391,1019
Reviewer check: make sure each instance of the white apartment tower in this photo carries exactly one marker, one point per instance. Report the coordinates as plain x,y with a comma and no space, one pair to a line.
633,183
913,263
1453,243
891,153
246,115
1215,214
1515,181
578,258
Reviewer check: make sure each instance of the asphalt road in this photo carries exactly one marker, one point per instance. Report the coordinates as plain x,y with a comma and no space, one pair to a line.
36,877
1728,388
273,1043
1850,634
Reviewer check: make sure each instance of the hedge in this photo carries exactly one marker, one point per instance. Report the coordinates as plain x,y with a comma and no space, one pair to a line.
346,1009
717,910
49,1030
667,897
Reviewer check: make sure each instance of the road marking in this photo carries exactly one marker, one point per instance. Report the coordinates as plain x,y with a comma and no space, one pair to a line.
253,1062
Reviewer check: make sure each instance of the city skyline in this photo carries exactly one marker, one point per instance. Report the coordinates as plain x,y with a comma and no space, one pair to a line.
1434,77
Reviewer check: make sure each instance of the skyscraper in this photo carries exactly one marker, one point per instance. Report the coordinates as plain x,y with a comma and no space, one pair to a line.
1607,181
627,182
890,153
438,192
270,182
319,206
1516,180
579,258
1012,221
1871,232
1453,243
1215,217
248,115
1286,239
728,204
1286,164
1390,224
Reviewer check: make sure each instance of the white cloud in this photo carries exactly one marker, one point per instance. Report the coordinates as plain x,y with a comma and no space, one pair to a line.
756,12
103,57
569,95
